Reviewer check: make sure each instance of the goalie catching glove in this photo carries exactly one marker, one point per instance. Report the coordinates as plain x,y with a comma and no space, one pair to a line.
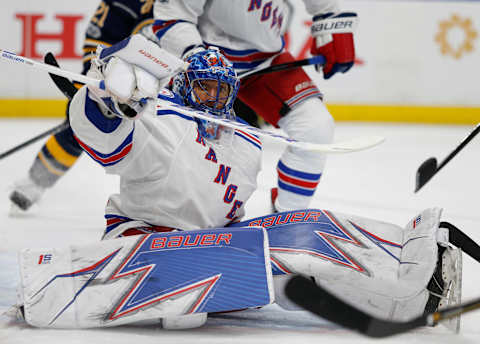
125,89
333,38
131,75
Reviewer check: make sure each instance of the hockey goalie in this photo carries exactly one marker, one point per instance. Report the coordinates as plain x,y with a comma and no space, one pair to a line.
174,249
179,277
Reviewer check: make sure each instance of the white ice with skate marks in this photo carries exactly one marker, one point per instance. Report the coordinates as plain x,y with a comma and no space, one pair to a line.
376,183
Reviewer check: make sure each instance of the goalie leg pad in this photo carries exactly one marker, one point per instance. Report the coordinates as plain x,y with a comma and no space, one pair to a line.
183,322
144,277
382,268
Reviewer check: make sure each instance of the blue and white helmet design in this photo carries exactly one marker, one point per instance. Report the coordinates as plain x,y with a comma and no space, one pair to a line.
210,84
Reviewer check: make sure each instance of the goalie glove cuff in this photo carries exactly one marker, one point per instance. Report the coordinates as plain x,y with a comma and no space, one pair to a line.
330,23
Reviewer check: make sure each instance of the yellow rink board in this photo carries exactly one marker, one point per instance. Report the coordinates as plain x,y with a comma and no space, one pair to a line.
21,108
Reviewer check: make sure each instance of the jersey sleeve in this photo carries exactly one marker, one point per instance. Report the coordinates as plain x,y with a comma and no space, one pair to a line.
140,149
108,141
175,24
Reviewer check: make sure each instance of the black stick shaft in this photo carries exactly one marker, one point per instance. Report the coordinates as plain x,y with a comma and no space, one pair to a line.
314,298
429,167
462,144
284,66
50,131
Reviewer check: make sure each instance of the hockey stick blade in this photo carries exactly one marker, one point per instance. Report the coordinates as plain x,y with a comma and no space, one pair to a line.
429,167
308,295
353,145
425,172
63,84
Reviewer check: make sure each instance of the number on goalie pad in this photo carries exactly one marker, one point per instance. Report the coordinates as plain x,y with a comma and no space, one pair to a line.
380,267
143,277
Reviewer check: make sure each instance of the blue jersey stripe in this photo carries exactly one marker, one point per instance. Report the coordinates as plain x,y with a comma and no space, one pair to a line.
295,189
304,175
175,113
113,49
123,219
125,143
161,27
106,159
248,140
97,118
114,216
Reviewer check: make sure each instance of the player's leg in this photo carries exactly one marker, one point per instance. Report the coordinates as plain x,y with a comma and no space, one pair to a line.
299,171
53,160
61,151
290,100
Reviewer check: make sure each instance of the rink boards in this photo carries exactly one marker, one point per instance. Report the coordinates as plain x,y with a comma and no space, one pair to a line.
418,70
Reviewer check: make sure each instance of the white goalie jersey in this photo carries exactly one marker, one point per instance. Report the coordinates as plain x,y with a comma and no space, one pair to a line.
170,175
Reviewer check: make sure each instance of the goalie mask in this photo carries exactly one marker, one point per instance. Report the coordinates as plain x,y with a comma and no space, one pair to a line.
210,84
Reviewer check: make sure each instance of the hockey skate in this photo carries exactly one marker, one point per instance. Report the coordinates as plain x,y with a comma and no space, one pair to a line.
16,313
445,286
25,193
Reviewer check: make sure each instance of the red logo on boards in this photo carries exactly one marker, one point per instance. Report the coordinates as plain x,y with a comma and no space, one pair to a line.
32,35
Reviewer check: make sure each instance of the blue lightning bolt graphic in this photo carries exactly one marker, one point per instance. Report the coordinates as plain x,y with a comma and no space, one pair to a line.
146,290
317,242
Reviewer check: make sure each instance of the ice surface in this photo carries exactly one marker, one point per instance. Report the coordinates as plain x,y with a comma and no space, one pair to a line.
376,183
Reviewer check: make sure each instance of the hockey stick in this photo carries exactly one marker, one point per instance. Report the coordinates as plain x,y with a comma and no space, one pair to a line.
51,131
308,295
63,84
461,240
319,59
429,167
352,145
339,147
67,89
8,56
